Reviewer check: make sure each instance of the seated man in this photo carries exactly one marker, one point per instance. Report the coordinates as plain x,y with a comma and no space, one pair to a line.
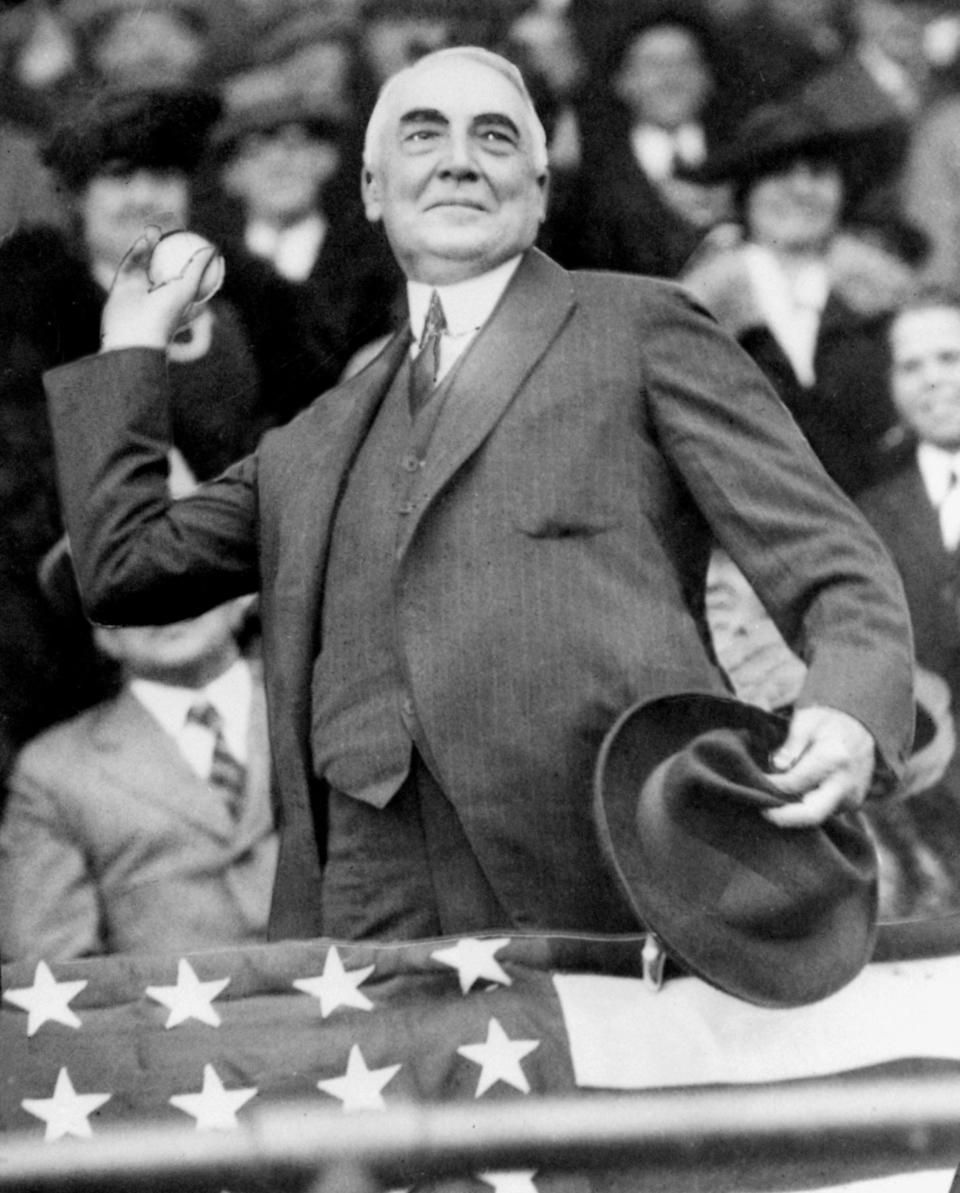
140,825
144,824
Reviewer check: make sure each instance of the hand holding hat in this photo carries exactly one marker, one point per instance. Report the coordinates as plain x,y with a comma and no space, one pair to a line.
146,307
825,765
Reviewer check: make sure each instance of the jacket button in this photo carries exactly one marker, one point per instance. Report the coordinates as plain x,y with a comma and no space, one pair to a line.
411,463
406,707
405,507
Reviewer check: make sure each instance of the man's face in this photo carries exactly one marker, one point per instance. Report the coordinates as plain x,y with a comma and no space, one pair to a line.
925,374
455,183
279,174
117,204
189,653
663,79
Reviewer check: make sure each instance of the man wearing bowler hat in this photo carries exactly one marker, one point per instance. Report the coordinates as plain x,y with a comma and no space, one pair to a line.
477,552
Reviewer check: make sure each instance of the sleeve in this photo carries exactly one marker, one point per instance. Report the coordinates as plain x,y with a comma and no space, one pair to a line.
816,565
142,559
49,909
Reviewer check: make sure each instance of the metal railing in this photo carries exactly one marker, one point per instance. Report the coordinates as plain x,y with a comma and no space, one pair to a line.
845,1129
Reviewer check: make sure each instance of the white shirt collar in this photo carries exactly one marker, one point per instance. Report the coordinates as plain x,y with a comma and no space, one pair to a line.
294,249
231,695
657,149
467,305
791,304
937,467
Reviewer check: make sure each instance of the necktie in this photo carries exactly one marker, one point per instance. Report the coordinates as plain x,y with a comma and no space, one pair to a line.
426,364
227,773
949,512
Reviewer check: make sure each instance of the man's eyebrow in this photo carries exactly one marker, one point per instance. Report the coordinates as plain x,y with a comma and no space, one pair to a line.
423,116
498,119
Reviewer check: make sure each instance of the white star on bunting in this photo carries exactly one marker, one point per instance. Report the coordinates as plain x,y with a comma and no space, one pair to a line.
499,1058
47,1000
214,1108
516,1181
66,1112
359,1088
475,959
337,987
189,998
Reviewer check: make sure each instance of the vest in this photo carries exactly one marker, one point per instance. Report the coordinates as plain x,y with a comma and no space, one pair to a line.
362,708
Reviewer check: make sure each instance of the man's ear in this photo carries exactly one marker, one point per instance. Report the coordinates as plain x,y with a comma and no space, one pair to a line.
372,194
543,182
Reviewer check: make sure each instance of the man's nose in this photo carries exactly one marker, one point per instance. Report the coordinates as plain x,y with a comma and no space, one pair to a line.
459,160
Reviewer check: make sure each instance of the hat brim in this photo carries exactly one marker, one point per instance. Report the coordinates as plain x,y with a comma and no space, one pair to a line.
670,874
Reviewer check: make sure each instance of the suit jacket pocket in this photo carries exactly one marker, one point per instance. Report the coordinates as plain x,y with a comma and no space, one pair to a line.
562,525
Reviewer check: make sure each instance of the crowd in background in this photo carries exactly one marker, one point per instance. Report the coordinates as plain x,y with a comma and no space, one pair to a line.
795,163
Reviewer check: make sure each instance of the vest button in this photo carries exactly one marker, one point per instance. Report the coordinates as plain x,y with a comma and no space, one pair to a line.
405,507
406,708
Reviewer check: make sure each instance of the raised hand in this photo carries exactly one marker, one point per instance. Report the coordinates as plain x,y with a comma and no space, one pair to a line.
140,315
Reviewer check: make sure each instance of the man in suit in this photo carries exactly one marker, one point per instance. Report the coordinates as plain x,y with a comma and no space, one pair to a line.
132,828
916,509
473,556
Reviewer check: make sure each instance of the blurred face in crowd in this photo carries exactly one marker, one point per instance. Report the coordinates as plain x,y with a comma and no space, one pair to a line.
148,47
549,40
925,373
663,78
455,171
279,173
392,43
188,653
897,28
118,203
797,208
321,71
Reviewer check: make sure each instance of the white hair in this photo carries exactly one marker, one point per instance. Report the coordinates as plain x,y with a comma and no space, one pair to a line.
373,138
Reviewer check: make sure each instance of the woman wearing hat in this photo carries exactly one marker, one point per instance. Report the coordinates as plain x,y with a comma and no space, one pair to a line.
806,297
123,162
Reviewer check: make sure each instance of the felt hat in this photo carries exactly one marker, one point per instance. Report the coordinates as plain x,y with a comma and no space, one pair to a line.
161,129
774,134
778,917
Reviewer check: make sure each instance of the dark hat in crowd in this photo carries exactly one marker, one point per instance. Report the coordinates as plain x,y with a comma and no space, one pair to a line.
773,135
270,114
778,917
162,130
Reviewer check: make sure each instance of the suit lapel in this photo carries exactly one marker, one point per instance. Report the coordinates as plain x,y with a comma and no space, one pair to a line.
137,753
534,307
914,522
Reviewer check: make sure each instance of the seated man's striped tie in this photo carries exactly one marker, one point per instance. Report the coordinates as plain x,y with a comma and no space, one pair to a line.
227,773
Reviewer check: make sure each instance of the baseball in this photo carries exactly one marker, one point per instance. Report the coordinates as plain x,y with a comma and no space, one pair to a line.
170,257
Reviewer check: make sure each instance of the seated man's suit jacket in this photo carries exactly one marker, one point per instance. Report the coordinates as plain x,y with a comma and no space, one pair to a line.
549,572
111,843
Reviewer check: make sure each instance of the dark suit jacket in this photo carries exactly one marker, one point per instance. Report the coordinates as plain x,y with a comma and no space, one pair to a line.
899,509
597,432
112,844
846,412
